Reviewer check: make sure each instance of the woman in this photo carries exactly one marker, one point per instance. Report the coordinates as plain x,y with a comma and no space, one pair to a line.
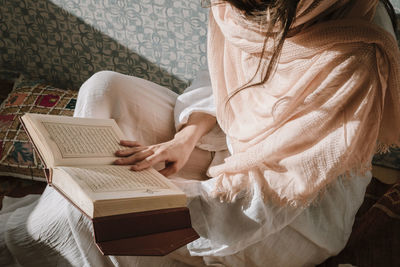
303,90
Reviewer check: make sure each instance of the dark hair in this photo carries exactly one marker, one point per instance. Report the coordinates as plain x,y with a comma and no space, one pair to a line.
283,14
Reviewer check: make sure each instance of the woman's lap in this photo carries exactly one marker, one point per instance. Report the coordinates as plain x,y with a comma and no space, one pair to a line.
51,230
144,111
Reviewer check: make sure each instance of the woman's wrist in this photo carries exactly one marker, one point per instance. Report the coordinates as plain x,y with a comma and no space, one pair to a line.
188,136
198,125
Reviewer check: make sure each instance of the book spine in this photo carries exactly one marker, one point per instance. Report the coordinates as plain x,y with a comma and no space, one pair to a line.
140,223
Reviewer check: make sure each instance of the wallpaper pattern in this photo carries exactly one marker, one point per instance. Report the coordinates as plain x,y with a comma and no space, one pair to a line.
66,41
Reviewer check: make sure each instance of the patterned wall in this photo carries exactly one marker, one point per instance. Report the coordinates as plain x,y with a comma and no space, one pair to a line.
66,41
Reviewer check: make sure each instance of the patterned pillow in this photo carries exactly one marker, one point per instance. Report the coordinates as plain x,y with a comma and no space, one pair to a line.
17,157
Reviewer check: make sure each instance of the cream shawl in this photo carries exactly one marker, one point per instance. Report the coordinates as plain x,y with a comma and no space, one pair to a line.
333,98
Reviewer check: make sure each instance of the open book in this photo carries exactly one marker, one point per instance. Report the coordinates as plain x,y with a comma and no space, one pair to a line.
78,154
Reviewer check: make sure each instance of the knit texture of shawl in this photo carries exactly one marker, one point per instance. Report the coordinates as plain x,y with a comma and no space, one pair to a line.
333,97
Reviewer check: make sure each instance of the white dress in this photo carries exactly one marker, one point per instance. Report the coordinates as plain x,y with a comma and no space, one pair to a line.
51,232
48,231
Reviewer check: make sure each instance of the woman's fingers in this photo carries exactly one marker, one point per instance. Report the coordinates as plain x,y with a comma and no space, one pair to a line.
129,151
149,161
134,158
129,143
134,147
143,157
170,169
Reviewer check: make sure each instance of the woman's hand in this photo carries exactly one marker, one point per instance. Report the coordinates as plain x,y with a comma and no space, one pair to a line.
174,153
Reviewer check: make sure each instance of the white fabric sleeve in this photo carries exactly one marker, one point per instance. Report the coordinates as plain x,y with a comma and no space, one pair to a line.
196,98
199,98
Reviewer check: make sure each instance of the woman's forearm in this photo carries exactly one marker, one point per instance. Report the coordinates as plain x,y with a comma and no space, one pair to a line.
174,153
198,125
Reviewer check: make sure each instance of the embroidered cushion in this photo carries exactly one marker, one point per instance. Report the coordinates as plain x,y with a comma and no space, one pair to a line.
17,157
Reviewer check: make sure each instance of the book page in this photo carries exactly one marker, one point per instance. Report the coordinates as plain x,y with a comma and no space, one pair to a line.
111,189
115,181
78,141
117,178
72,141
